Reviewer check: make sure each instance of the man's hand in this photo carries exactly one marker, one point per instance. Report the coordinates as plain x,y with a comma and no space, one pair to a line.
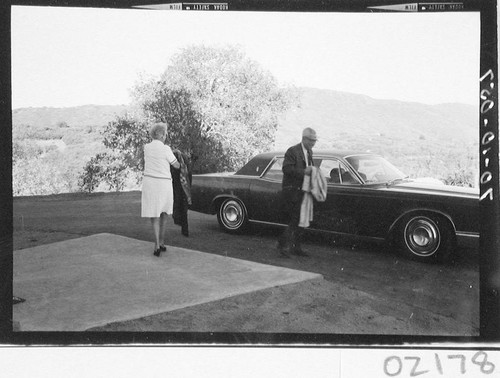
308,171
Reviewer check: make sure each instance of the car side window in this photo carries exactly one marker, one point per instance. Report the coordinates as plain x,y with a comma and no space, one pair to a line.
330,168
336,172
275,172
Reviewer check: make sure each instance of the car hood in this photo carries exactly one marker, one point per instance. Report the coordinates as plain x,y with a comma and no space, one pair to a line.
432,188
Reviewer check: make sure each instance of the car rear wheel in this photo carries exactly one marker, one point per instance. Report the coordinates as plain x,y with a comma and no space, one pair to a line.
232,215
426,238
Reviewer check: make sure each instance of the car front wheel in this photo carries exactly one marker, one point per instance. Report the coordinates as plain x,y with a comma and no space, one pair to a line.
426,238
232,215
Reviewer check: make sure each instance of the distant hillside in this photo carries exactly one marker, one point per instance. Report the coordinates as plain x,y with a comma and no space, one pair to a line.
337,114
61,141
333,114
95,115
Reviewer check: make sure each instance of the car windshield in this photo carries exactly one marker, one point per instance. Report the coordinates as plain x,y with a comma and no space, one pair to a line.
375,169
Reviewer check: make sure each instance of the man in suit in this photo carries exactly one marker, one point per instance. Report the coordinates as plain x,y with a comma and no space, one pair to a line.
298,162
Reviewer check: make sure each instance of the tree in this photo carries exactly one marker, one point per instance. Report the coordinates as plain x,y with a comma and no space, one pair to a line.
175,107
106,168
91,176
126,137
221,108
220,97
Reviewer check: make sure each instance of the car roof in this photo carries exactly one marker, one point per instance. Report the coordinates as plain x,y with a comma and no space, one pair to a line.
256,165
318,152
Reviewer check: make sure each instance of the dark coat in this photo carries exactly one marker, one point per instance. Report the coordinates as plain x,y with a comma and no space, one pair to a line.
181,184
294,166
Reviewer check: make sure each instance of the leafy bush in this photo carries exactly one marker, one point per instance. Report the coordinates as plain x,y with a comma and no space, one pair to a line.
125,137
461,178
35,177
45,134
104,167
24,150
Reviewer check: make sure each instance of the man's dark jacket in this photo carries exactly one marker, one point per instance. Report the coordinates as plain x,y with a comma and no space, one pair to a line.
294,165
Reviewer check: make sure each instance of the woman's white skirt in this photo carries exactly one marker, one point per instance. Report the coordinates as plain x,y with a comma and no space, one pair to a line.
157,197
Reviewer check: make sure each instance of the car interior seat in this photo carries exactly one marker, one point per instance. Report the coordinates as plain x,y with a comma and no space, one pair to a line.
347,178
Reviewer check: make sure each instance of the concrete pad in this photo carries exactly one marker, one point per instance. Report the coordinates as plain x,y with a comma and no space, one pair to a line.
88,282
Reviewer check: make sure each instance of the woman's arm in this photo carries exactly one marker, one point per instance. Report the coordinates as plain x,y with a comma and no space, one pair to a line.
171,158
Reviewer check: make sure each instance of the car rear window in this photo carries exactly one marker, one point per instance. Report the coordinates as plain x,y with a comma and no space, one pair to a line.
254,167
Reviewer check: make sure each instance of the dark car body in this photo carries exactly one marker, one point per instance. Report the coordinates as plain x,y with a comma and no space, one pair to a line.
425,219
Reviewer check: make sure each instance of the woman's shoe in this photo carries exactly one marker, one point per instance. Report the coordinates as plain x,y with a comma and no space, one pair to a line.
163,248
157,252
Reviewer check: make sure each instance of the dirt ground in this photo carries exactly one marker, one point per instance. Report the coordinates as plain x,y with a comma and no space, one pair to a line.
367,289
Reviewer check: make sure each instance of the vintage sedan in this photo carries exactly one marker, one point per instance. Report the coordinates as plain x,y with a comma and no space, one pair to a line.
367,197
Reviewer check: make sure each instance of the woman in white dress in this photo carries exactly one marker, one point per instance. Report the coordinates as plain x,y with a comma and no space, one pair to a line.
157,194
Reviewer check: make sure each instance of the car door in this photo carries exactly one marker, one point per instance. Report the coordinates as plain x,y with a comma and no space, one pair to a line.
265,193
338,213
351,206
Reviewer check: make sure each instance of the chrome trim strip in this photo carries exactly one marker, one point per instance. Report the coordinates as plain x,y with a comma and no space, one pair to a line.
325,231
270,223
466,234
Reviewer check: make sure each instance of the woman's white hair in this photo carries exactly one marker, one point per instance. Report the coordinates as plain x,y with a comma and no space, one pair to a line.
158,130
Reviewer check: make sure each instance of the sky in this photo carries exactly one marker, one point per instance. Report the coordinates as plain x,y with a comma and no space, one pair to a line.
65,57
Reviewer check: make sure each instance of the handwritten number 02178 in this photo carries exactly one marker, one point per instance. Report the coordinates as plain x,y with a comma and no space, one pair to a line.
394,365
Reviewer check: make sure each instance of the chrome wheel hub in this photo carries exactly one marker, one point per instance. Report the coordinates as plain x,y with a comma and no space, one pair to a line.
422,236
232,214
